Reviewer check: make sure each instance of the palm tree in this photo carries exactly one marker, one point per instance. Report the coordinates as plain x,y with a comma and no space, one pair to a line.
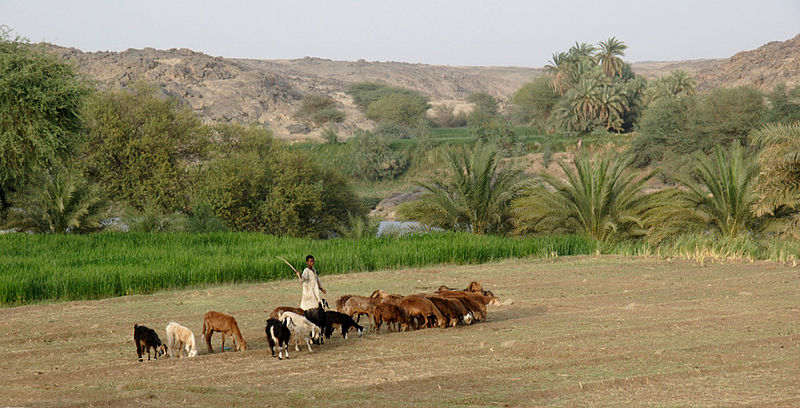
600,199
721,201
474,194
582,50
557,68
778,183
676,83
609,57
611,105
59,200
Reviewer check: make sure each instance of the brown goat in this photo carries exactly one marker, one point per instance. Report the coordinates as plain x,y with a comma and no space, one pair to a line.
475,306
384,297
225,324
341,301
280,309
417,306
356,306
445,309
390,314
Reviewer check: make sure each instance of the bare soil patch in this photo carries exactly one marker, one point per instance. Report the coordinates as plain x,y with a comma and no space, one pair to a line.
581,331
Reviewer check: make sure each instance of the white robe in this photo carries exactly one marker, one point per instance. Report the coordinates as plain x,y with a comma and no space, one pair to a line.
311,287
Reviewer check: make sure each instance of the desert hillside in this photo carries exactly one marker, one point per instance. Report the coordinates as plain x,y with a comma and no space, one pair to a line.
269,91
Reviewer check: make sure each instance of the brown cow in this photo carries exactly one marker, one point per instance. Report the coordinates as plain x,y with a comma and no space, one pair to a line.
391,314
225,324
280,309
417,306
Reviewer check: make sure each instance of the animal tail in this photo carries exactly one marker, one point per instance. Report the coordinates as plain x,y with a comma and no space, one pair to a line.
204,327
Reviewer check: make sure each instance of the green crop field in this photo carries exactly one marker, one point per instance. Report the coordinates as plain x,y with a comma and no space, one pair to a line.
42,267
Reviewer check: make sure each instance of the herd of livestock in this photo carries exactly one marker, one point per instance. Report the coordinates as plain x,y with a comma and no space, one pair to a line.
443,308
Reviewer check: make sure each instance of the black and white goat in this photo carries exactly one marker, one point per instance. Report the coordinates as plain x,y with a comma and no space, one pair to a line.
278,333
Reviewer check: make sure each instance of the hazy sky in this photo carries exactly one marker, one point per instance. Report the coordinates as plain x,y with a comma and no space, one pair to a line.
463,32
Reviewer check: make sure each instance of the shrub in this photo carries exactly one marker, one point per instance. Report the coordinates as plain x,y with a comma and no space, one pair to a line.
398,107
319,109
373,159
392,131
784,106
667,125
726,116
141,147
484,103
534,101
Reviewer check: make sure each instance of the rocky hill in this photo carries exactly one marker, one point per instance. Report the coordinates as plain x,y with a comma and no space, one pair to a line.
269,91
764,67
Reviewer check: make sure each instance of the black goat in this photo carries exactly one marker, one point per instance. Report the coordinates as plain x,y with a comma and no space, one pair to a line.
278,333
318,316
343,320
145,339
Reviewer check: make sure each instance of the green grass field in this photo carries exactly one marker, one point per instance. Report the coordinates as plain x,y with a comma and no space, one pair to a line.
43,267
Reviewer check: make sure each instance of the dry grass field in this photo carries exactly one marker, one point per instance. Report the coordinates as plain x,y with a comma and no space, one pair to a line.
581,331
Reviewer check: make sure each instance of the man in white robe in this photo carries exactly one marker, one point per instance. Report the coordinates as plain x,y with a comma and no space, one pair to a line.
311,286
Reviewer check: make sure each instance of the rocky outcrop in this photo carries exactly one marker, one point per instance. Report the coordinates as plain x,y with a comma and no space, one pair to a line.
763,68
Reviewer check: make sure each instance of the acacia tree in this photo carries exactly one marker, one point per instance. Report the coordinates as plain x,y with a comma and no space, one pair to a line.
40,102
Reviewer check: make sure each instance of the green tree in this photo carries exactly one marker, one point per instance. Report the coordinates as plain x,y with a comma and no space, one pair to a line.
666,126
59,200
473,194
721,200
373,159
609,56
727,115
253,183
40,102
398,107
601,199
784,105
484,103
535,101
676,83
141,147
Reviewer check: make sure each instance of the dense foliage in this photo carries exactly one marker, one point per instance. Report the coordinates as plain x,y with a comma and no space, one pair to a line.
141,146
384,103
41,98
319,110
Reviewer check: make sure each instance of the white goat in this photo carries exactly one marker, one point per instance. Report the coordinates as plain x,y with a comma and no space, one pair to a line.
301,327
180,338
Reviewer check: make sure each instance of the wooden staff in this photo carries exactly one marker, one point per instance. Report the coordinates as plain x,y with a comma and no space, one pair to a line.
290,265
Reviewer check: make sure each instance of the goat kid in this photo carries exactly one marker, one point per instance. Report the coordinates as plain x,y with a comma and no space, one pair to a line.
145,339
278,333
180,338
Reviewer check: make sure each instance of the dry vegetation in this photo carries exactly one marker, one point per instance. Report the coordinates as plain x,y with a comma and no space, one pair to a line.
582,331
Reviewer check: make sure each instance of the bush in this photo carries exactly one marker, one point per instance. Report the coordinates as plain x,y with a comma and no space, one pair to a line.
373,159
254,183
398,107
784,106
483,103
141,147
534,101
726,116
392,131
493,129
666,126
319,109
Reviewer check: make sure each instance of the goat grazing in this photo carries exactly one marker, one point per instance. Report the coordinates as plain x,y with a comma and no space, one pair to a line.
417,306
225,324
301,327
278,333
389,314
180,338
346,322
145,339
356,306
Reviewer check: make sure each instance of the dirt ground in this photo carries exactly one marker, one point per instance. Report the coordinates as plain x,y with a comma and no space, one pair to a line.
581,331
